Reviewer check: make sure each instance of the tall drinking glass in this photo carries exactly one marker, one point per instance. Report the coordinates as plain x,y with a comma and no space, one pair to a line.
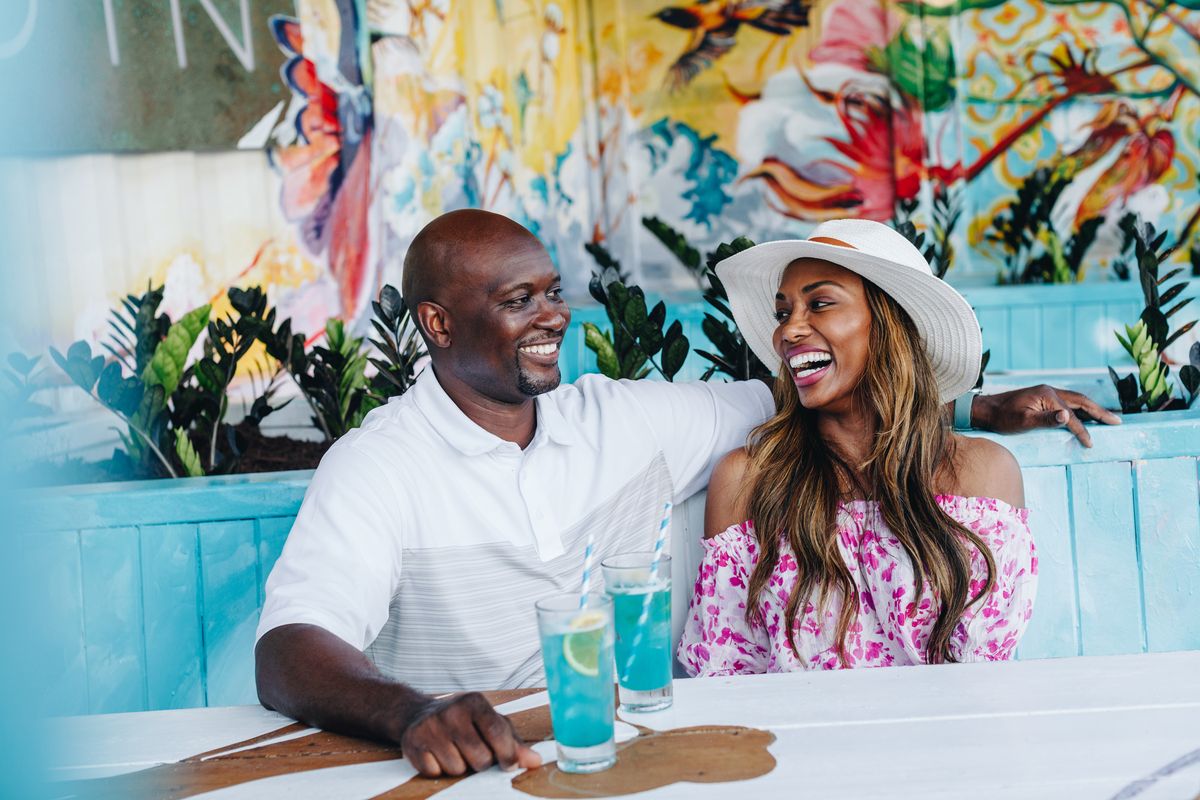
577,647
642,613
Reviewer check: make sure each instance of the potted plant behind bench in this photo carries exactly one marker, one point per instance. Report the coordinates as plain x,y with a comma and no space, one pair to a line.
1146,340
151,587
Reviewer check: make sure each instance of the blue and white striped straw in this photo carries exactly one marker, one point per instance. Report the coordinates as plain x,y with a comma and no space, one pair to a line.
587,572
663,528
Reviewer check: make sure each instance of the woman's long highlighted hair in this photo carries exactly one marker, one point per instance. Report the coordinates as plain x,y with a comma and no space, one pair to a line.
795,480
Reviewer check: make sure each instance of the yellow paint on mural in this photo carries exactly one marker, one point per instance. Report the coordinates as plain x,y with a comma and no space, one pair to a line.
638,50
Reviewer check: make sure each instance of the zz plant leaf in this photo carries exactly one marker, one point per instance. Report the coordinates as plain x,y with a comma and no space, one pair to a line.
1151,335
166,366
1189,374
399,343
637,334
80,365
675,350
600,343
187,454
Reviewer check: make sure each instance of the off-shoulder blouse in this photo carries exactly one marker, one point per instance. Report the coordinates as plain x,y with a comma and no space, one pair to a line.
891,629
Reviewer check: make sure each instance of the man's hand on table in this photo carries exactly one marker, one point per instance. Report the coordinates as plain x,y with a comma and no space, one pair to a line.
309,674
1038,407
452,735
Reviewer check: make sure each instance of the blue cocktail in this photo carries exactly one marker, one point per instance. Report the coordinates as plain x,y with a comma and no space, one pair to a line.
577,647
642,618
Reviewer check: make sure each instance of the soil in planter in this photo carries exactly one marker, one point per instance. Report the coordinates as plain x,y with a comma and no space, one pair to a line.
277,453
261,453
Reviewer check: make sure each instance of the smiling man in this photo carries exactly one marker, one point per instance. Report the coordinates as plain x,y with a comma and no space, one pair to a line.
428,533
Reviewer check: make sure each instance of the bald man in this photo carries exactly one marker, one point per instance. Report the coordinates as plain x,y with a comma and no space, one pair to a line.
428,533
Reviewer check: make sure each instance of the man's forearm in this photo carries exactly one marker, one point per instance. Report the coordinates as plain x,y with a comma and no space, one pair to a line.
311,675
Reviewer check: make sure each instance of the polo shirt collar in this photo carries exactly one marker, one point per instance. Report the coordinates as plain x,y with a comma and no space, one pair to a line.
551,420
467,437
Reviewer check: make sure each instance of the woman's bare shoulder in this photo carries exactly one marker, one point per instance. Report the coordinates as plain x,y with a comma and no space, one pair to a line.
985,468
726,504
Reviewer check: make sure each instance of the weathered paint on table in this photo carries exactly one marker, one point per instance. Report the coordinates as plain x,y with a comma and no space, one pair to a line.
1092,727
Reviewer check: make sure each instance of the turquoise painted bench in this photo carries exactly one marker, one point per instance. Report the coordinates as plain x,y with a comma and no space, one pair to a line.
1118,534
1025,327
151,590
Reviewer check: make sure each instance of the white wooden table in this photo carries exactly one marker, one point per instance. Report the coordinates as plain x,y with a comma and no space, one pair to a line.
1092,727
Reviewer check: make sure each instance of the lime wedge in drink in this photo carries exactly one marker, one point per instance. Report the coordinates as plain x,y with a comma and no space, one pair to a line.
582,650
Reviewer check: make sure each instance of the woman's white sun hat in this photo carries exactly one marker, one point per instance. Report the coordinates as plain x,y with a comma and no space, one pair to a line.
874,251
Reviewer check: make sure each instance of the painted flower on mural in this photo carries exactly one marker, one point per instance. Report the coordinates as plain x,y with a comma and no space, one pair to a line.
852,32
1146,155
873,172
326,171
864,71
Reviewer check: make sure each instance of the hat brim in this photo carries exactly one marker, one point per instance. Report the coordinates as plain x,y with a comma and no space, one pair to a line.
943,317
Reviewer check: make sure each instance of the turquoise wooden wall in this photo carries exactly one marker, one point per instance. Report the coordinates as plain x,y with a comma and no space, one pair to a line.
152,589
1025,327
1118,534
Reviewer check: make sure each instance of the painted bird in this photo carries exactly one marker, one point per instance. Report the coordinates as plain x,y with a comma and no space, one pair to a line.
714,25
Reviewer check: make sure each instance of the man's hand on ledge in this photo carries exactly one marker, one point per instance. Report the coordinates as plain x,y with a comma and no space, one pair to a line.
1038,407
451,735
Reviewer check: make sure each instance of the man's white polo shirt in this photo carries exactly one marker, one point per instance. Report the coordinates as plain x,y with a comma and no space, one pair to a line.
424,540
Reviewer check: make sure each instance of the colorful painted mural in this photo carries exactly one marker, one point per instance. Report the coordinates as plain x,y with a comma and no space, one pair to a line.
1016,133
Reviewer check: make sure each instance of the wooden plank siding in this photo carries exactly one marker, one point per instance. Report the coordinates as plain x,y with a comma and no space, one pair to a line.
1169,552
153,589
171,607
1054,629
1106,565
157,609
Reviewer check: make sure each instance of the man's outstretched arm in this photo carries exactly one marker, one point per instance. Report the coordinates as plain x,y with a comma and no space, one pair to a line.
1039,407
309,674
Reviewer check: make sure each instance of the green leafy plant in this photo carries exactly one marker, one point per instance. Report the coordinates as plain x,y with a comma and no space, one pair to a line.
201,403
909,231
21,413
174,411
1149,337
947,208
154,351
336,381
332,377
175,406
399,342
733,357
638,334
1189,374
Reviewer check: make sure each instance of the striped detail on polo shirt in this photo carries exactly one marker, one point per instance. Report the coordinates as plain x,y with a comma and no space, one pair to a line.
463,617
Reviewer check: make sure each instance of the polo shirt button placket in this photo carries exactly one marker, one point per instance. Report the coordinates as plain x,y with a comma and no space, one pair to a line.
546,540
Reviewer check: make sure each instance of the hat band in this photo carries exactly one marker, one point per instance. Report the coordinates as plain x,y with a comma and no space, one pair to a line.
832,241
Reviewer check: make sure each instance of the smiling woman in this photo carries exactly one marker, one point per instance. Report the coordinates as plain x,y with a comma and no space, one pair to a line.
855,502
821,307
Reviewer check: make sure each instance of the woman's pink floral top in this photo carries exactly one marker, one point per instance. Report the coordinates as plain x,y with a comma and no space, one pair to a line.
891,629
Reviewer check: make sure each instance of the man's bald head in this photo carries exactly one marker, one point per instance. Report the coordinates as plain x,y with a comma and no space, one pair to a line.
487,299
459,248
